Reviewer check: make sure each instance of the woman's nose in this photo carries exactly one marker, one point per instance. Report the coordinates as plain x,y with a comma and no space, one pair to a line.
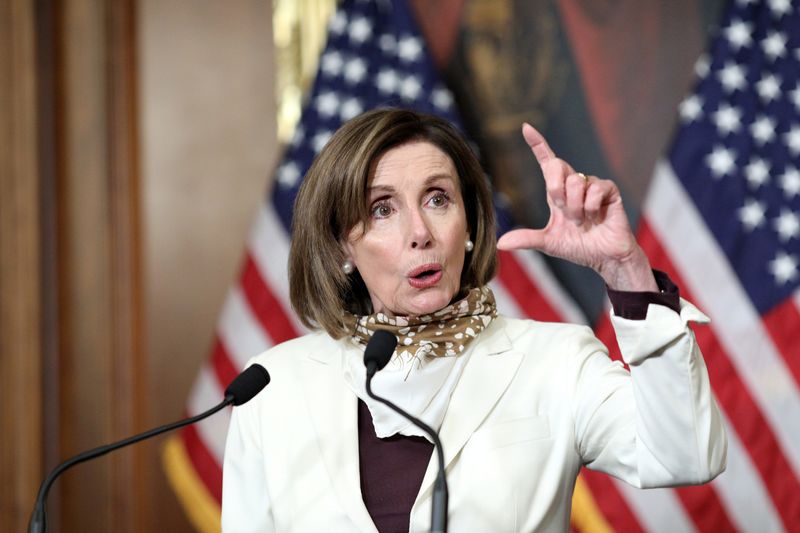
419,231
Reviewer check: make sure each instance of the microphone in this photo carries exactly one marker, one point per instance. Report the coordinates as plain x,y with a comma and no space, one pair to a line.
378,351
376,355
241,390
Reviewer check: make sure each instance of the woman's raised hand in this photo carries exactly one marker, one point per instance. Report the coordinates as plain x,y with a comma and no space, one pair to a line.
587,225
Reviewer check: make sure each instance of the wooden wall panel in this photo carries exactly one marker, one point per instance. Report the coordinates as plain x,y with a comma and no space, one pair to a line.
84,269
90,259
129,363
99,242
20,348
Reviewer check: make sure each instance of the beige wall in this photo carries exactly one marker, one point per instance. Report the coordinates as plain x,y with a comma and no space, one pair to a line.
207,149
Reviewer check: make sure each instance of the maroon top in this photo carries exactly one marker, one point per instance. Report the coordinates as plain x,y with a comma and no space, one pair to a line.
391,473
392,468
633,305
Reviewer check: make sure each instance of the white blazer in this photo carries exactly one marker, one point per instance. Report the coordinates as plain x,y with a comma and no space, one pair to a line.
534,403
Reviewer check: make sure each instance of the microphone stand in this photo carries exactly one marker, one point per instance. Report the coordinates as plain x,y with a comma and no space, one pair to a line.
439,498
241,390
38,523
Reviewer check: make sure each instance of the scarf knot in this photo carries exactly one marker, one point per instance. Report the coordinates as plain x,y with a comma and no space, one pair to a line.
445,333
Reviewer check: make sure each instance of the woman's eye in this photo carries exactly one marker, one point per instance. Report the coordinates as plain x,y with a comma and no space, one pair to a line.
381,211
439,200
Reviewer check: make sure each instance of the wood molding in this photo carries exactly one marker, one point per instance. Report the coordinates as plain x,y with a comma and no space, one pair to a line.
129,364
20,349
90,194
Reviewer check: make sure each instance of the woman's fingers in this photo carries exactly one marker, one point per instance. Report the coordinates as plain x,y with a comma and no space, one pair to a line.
587,225
577,196
555,170
587,198
576,185
538,144
599,194
522,238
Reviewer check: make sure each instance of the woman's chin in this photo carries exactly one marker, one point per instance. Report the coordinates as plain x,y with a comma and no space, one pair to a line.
426,304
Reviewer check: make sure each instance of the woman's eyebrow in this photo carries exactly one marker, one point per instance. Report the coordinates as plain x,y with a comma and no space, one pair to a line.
380,193
430,180
439,176
377,189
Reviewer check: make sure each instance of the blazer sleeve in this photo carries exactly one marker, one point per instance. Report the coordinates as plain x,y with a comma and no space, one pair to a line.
658,425
246,504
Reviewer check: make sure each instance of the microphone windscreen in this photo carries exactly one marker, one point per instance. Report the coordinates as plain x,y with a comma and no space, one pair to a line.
380,348
247,384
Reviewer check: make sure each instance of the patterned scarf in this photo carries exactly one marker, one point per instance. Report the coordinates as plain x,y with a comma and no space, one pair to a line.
445,333
424,369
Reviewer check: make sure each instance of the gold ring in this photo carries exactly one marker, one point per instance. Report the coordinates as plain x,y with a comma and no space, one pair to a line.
584,176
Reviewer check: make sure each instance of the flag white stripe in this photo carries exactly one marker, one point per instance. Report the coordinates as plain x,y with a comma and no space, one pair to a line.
213,431
239,331
742,491
269,246
657,510
718,292
506,305
540,275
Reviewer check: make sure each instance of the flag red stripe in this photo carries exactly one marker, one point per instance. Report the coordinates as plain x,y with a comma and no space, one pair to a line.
735,398
605,332
702,503
204,463
268,309
610,501
222,364
527,295
783,323
705,508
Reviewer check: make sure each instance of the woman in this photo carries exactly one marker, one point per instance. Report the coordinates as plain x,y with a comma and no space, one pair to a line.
394,230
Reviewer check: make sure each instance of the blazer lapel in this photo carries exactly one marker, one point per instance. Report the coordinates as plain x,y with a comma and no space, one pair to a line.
487,375
334,412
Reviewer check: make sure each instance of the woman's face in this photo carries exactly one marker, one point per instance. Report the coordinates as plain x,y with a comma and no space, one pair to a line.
411,253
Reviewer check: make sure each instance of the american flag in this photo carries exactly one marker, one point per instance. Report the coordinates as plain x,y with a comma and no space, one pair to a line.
721,218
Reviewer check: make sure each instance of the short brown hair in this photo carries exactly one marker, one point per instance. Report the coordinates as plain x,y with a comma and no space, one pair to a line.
333,200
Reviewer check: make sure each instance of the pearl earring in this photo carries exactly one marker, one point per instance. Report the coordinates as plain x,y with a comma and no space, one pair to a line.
348,267
469,245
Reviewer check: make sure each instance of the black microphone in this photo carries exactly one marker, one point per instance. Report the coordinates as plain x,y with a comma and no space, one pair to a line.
376,355
241,390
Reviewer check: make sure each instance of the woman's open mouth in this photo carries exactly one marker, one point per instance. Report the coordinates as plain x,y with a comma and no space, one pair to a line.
425,276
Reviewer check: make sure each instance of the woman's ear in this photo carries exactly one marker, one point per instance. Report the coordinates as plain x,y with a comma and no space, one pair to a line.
348,264
347,248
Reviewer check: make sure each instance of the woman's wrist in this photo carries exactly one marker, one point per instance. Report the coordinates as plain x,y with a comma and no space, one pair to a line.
632,273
